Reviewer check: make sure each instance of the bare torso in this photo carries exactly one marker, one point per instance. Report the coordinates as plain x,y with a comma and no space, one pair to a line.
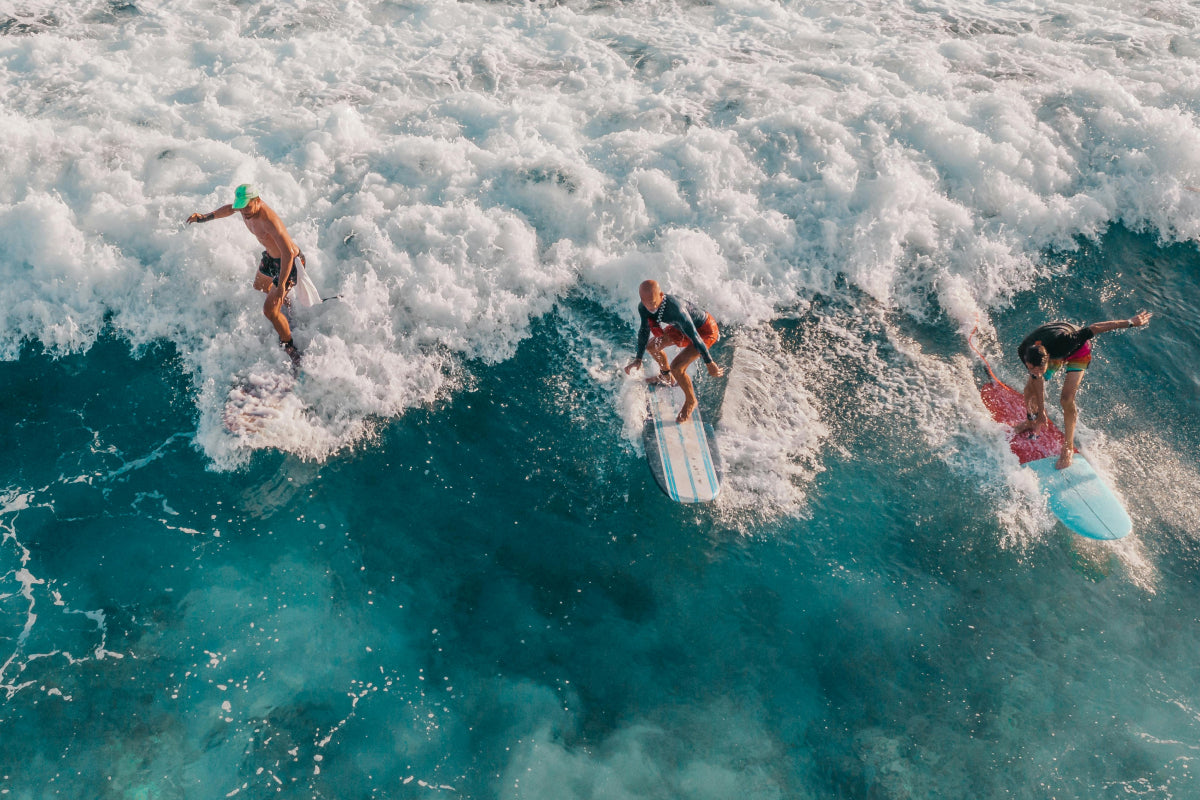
270,232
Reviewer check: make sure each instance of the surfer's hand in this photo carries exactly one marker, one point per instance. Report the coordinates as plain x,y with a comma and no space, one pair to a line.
193,218
275,297
637,362
1139,319
715,370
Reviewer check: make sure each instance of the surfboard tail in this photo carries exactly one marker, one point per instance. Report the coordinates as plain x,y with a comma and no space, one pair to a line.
680,455
1081,499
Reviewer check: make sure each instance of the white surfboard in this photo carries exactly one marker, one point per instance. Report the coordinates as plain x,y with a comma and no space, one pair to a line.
683,458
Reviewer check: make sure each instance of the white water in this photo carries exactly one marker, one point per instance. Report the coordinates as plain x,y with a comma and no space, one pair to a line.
451,170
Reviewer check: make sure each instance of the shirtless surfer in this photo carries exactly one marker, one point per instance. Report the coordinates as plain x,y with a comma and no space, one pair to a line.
673,321
1061,345
277,267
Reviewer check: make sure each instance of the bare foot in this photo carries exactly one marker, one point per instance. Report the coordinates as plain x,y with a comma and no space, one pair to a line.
1065,459
685,413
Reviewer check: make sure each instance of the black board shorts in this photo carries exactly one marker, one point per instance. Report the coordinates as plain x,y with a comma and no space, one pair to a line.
270,267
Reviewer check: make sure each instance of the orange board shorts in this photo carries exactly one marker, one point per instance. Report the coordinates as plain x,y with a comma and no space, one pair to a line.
709,332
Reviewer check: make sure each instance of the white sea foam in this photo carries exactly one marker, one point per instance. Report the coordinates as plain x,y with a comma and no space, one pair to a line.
453,170
771,430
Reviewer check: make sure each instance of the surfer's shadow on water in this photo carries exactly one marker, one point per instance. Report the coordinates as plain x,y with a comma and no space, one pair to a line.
256,400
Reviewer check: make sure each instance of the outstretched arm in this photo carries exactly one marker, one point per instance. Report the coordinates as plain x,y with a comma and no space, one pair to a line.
220,213
1138,320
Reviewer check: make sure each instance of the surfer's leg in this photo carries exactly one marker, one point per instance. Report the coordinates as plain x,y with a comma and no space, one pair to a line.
679,371
262,282
655,348
1070,415
273,311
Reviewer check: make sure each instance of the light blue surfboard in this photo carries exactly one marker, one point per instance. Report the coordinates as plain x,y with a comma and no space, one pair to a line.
1083,501
683,458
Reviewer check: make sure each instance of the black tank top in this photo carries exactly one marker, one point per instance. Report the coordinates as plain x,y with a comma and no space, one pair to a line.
1060,339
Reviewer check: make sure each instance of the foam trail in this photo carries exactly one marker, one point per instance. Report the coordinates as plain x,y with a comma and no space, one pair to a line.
770,430
1157,482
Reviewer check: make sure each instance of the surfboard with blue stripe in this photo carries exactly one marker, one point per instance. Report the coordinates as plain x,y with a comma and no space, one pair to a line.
683,458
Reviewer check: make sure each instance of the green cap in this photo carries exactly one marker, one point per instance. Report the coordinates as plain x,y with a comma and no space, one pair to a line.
244,194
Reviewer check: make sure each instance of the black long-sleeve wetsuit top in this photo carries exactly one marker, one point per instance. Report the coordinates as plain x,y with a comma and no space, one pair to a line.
1060,339
681,314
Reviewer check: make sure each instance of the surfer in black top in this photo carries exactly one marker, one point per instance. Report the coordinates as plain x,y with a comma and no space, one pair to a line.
1061,345
673,321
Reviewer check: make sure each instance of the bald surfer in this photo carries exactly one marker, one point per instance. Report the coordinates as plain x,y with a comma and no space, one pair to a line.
668,320
277,269
1055,346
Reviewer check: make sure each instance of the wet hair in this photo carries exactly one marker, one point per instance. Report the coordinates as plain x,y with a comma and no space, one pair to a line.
1036,355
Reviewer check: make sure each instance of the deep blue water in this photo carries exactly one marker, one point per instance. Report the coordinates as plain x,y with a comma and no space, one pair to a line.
491,598
441,567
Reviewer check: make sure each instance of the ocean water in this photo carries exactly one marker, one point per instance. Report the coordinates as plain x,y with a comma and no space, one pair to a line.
441,567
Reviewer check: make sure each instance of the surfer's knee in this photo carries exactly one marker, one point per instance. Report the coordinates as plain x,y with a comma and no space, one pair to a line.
684,360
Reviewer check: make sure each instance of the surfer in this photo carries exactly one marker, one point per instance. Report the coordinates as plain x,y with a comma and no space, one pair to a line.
276,271
668,320
1061,345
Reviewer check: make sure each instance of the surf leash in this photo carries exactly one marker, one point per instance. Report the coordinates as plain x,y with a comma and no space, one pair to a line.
983,358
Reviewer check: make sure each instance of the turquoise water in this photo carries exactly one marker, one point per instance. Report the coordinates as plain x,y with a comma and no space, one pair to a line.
492,597
440,567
